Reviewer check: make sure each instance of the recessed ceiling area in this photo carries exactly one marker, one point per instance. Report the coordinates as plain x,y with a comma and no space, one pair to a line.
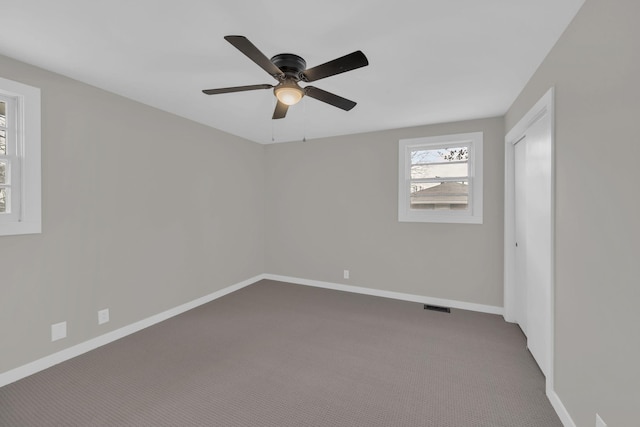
429,62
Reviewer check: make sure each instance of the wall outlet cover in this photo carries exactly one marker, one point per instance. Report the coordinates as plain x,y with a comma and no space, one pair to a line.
103,316
58,331
346,274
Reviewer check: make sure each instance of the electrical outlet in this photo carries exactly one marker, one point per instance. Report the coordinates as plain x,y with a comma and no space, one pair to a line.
346,274
58,331
103,316
599,422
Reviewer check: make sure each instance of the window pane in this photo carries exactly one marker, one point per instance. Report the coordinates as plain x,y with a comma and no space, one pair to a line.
440,163
440,196
3,172
439,155
440,170
3,200
3,124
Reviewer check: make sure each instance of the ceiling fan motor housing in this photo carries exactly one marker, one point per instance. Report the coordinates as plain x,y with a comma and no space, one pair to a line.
290,64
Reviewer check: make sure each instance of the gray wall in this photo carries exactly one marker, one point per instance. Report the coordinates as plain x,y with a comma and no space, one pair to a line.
595,68
332,204
109,240
142,211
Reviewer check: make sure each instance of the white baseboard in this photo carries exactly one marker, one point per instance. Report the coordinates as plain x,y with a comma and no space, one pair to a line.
38,365
557,404
76,350
389,294
31,368
562,412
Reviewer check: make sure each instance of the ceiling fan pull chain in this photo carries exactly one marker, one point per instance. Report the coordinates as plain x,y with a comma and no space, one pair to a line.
304,120
272,124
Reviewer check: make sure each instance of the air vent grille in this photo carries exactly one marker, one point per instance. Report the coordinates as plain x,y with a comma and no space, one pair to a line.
437,308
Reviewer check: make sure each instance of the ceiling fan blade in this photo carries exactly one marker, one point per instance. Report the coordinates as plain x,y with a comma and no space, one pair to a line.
235,89
253,53
280,111
329,98
340,65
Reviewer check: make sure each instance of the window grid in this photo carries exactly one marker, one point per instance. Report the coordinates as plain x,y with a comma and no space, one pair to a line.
435,187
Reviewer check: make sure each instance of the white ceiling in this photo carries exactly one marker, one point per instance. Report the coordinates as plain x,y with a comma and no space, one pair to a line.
430,61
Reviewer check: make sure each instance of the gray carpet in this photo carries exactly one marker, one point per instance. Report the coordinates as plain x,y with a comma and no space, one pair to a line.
277,354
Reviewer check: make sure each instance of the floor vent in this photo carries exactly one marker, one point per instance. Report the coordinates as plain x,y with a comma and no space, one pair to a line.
437,308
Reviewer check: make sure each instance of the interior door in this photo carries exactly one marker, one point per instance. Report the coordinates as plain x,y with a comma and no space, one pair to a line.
533,236
520,224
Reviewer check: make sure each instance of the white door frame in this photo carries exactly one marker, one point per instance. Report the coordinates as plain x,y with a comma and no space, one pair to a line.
544,105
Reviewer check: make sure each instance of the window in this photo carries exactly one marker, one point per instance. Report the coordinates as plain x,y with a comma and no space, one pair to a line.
440,179
19,158
9,171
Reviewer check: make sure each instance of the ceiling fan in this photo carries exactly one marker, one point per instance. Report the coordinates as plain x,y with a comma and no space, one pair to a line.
289,69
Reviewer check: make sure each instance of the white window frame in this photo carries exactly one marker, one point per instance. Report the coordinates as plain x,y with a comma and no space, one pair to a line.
24,135
471,215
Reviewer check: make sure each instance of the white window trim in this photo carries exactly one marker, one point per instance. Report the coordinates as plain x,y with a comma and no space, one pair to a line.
473,215
28,136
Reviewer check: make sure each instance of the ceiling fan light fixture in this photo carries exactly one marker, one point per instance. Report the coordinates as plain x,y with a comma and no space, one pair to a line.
289,94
